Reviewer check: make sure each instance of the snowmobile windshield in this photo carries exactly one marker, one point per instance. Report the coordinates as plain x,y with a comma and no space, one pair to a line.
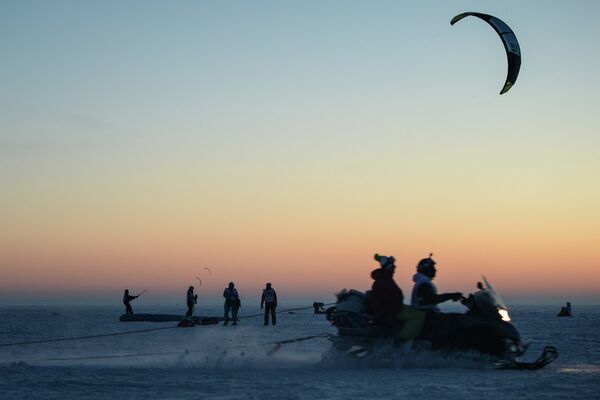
489,302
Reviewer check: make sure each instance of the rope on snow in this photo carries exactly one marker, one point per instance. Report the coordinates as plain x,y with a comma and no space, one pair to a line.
277,345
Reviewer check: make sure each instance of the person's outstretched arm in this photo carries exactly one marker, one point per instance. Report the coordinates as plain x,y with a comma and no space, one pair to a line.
426,293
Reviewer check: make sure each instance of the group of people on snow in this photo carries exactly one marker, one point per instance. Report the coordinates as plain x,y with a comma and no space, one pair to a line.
232,304
385,301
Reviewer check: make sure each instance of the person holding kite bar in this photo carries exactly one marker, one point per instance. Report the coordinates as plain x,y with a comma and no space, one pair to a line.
126,299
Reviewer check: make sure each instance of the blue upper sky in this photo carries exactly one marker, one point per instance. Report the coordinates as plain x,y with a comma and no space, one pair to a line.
100,99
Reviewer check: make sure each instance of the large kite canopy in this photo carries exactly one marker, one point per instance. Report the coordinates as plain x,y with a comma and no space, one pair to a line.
511,45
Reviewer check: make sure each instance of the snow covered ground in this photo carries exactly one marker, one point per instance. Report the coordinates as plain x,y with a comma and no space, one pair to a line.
234,363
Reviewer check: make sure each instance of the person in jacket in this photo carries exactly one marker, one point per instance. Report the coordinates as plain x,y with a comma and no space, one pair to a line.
386,298
424,293
191,300
126,299
269,300
232,303
385,302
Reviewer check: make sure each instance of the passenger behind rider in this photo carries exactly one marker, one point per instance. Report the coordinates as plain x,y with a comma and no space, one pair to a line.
385,302
424,293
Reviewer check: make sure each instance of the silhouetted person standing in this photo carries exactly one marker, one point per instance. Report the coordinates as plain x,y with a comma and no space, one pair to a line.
126,299
232,303
269,300
191,300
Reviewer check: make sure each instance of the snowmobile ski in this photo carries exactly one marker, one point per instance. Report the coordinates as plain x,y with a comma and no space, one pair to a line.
549,354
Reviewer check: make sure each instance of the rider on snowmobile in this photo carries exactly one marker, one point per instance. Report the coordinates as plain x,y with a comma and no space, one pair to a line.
424,293
385,302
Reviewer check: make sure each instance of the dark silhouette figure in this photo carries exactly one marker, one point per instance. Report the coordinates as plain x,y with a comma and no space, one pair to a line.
565,311
269,300
319,308
232,303
385,301
192,299
126,299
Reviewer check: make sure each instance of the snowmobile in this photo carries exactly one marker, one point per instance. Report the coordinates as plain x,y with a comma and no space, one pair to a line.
484,328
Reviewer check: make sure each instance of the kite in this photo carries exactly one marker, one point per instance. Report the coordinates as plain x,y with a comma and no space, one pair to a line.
511,45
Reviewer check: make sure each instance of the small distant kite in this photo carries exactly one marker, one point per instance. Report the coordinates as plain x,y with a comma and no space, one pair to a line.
200,280
511,45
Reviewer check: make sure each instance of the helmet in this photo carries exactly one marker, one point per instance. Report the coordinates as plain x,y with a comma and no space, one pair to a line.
386,262
426,265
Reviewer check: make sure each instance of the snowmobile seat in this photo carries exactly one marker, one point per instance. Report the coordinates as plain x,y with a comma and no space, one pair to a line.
357,324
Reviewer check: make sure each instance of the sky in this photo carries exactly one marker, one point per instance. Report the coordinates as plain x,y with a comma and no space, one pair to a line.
282,141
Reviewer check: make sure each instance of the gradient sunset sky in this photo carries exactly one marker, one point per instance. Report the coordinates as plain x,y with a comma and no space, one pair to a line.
288,141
